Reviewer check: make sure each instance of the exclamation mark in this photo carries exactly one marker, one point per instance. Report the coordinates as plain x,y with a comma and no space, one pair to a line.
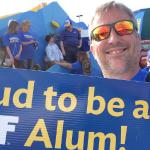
123,136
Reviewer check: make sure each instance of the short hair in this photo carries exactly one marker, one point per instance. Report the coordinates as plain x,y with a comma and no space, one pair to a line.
107,6
25,22
48,37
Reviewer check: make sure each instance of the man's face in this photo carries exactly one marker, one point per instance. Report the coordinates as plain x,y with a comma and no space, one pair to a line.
52,39
116,54
26,27
69,27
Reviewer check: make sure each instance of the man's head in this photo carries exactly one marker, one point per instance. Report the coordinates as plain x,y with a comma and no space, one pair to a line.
68,24
25,26
115,42
50,38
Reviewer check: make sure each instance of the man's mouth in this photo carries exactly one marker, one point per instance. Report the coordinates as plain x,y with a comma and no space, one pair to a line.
116,51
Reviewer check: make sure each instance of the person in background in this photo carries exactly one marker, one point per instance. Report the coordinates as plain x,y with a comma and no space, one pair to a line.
143,58
70,42
148,68
146,65
2,52
81,66
12,43
53,53
115,42
28,44
148,61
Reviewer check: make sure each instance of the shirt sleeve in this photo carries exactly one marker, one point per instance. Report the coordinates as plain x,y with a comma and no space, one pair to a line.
76,66
49,53
5,40
59,52
61,56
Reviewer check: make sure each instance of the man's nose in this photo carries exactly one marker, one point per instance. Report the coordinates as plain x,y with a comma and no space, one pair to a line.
114,37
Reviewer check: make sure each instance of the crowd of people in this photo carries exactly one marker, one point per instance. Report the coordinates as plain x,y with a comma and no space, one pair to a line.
115,45
18,45
70,55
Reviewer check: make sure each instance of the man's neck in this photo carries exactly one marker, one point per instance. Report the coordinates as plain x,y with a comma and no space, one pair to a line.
123,76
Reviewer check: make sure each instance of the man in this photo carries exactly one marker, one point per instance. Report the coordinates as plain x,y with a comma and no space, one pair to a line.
115,42
70,42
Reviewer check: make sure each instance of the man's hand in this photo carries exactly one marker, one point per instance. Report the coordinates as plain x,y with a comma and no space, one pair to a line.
64,53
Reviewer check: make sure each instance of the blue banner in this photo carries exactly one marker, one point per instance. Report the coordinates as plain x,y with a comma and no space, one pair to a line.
42,110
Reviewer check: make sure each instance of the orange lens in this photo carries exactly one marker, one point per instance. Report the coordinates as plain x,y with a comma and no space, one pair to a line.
101,33
124,27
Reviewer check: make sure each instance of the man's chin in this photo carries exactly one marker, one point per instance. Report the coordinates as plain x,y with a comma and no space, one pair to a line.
116,69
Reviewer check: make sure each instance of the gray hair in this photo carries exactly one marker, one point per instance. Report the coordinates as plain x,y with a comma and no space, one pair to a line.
107,6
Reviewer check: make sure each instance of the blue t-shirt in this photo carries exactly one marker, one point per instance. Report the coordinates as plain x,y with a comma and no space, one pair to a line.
27,50
77,68
141,75
13,41
71,38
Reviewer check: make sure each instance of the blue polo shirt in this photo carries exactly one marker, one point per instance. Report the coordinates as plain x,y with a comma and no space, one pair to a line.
141,75
71,38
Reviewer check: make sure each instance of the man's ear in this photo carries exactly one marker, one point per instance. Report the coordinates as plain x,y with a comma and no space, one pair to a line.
92,49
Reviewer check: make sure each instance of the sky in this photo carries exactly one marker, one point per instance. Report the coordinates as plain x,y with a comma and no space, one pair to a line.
71,7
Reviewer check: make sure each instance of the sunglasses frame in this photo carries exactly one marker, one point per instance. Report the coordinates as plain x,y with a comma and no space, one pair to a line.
112,25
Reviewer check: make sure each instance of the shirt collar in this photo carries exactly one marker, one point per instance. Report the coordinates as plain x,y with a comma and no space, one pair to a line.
140,76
